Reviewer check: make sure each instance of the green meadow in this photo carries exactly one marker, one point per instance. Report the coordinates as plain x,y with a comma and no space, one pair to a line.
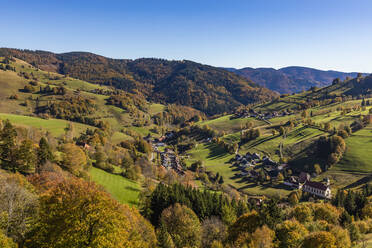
55,126
122,189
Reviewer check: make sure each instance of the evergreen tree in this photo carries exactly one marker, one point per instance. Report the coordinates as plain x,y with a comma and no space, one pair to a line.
26,157
8,147
164,238
221,181
44,152
271,214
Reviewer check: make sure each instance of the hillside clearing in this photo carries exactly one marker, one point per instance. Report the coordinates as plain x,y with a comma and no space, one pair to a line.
122,189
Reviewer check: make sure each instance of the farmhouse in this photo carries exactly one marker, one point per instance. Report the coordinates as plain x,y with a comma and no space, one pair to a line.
303,182
317,188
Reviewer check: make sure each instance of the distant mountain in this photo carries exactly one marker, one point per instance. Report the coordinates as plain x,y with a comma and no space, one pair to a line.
206,88
291,79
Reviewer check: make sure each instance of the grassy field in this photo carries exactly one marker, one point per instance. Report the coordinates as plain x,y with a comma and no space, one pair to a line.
228,125
12,84
217,160
54,126
355,167
156,108
122,189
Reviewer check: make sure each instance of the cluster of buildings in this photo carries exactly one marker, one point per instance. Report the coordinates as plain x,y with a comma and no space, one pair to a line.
159,142
268,115
248,162
170,160
251,160
303,182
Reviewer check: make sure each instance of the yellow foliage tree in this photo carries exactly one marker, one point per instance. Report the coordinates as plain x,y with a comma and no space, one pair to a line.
76,213
74,158
319,240
290,233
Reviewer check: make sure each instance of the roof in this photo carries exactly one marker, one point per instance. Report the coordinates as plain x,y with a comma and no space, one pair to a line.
304,177
316,185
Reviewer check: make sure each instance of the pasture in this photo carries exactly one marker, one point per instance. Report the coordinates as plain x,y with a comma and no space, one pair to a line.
123,190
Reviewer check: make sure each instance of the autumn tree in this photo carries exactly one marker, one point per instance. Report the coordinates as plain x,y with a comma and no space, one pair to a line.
290,233
246,223
76,213
302,213
213,229
164,238
6,242
263,237
182,224
319,240
327,212
18,206
293,198
74,158
341,235
367,211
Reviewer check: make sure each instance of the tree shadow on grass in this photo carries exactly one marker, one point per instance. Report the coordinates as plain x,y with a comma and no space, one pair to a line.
216,152
131,202
265,186
359,182
258,142
131,188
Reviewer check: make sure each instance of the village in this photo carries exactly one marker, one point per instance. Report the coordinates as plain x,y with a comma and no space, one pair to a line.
262,116
254,168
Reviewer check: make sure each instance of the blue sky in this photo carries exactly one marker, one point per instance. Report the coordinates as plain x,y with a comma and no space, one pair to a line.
325,34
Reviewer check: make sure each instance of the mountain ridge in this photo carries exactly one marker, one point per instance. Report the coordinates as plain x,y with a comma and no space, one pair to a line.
206,88
292,79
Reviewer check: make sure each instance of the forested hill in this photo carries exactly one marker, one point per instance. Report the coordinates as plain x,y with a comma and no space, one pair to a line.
206,88
291,79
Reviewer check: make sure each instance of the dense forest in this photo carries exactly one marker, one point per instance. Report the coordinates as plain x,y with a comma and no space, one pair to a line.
206,88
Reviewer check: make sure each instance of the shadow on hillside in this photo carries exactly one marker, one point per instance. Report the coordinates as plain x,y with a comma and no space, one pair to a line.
131,188
216,152
258,142
133,202
265,186
359,182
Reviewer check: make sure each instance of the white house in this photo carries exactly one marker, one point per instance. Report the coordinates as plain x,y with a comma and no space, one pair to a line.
318,189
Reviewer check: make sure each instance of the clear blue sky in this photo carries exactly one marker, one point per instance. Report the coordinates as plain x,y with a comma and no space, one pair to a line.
325,34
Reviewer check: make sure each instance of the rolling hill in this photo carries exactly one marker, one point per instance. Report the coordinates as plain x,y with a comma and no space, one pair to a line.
291,79
209,89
